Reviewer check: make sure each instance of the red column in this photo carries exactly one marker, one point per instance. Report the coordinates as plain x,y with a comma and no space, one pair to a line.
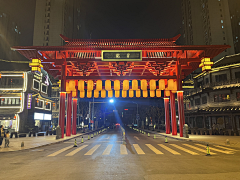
173,113
69,114
167,120
74,119
180,112
61,120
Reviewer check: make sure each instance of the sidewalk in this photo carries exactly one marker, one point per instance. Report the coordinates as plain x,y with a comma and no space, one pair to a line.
36,142
205,139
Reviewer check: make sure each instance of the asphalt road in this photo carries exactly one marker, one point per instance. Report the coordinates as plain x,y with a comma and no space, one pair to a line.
104,157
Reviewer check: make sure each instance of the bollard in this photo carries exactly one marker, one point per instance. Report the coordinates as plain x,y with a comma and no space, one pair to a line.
88,137
140,131
97,133
148,134
82,139
22,144
208,151
166,139
75,143
154,137
144,132
91,135
227,142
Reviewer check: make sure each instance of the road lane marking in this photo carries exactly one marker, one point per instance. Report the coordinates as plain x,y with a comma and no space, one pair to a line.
91,151
229,149
108,150
136,137
154,149
123,149
169,149
183,149
138,149
60,151
198,149
76,150
218,150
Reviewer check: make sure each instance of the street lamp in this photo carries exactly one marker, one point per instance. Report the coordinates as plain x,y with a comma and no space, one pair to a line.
111,100
137,112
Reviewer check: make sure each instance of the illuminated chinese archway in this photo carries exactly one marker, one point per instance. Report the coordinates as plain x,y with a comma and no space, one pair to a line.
105,67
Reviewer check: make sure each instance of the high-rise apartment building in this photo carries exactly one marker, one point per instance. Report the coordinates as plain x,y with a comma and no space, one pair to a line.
234,7
55,17
9,36
207,22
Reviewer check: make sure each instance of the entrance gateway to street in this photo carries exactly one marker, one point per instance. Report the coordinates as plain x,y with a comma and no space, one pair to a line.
103,68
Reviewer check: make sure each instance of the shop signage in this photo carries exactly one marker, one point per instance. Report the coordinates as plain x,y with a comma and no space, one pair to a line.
122,55
29,101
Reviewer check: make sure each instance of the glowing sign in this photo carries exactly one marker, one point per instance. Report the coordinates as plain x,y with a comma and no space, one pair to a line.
29,101
122,55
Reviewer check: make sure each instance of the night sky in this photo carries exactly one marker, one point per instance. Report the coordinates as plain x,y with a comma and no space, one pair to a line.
110,18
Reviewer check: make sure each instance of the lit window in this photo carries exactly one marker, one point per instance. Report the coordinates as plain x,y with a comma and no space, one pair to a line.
221,21
222,27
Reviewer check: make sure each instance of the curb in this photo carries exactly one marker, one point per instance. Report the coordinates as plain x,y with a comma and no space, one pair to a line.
180,139
48,144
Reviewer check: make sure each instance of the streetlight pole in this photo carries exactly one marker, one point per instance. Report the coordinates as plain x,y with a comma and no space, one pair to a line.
137,111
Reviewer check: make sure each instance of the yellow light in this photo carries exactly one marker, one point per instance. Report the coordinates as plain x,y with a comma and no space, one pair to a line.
134,84
152,85
167,93
131,93
82,94
81,85
103,93
144,85
152,93
99,85
108,85
138,93
90,85
161,84
124,94
96,93
110,93
158,93
145,93
117,94
89,94
74,94
125,85
116,85
170,84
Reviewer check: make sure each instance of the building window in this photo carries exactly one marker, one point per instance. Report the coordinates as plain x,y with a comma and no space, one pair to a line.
48,106
221,97
10,101
221,77
197,101
204,100
36,84
238,96
38,104
237,75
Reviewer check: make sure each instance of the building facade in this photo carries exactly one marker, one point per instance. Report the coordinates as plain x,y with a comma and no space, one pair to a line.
208,22
212,99
25,99
55,17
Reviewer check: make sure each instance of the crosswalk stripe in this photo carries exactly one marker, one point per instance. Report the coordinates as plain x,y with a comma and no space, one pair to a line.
138,149
60,151
108,150
123,149
183,149
91,151
214,149
198,149
229,149
169,149
76,150
154,149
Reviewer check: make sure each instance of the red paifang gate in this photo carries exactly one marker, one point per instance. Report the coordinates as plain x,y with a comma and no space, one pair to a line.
153,65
